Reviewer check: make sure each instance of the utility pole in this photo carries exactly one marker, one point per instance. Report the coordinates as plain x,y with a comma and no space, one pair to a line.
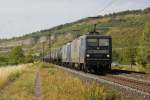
142,45
76,32
50,46
43,51
94,30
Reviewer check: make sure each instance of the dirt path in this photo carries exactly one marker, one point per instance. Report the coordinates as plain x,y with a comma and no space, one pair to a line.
37,91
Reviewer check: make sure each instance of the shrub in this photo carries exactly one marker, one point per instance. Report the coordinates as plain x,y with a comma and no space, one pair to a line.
142,60
29,58
16,56
148,58
14,76
115,55
113,96
3,61
52,71
94,93
46,65
10,73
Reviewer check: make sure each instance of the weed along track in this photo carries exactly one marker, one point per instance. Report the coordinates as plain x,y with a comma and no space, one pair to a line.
37,91
22,88
10,73
58,84
131,89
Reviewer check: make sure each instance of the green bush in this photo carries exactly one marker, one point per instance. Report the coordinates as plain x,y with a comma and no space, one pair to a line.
94,93
97,93
3,61
113,96
29,58
52,71
148,58
115,56
16,56
142,60
46,65
14,76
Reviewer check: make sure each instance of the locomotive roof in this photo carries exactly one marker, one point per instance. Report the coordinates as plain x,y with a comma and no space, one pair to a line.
97,35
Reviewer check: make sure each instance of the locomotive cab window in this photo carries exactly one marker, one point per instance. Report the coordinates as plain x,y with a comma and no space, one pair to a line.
92,42
103,42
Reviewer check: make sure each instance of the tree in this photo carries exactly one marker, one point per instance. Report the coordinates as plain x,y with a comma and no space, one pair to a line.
146,33
16,55
3,60
29,58
115,56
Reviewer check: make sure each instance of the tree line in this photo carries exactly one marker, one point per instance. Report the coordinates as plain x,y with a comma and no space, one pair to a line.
132,54
16,56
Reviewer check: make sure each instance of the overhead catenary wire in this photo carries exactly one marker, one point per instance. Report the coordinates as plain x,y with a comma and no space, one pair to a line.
108,5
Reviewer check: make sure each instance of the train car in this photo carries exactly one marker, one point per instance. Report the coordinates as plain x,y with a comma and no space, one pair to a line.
46,58
92,52
60,55
56,55
66,54
78,52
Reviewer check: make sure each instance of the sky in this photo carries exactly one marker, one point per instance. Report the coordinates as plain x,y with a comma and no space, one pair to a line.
19,17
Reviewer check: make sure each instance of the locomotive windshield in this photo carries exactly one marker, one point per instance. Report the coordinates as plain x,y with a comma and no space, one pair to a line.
92,42
98,42
103,42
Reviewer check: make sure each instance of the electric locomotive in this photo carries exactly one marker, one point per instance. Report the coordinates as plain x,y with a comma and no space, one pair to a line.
98,53
88,52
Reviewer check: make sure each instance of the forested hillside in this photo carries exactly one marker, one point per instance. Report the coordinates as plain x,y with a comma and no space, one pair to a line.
130,31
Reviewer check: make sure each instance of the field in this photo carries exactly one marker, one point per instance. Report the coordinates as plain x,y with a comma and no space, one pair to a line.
55,85
10,73
22,88
59,85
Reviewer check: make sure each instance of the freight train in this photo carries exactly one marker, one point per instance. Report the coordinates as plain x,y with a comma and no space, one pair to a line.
90,52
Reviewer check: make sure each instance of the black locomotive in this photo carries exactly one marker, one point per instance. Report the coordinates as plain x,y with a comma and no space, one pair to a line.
90,52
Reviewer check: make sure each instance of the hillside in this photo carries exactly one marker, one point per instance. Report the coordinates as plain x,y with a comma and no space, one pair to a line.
130,31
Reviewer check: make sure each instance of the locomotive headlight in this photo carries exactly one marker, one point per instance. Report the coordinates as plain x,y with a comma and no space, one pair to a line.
108,55
87,55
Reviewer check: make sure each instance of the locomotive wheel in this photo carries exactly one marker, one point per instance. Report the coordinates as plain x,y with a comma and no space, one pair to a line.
80,67
97,71
85,68
109,67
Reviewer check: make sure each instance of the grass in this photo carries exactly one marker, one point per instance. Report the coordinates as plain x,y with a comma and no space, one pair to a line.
60,85
45,65
10,73
22,88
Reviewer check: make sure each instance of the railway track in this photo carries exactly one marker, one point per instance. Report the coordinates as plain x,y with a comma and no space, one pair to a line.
137,75
140,76
132,89
133,78
136,84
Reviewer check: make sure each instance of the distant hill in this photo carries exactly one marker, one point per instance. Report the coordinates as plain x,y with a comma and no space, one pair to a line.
129,30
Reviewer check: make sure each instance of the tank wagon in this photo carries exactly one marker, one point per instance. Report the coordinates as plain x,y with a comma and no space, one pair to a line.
87,52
